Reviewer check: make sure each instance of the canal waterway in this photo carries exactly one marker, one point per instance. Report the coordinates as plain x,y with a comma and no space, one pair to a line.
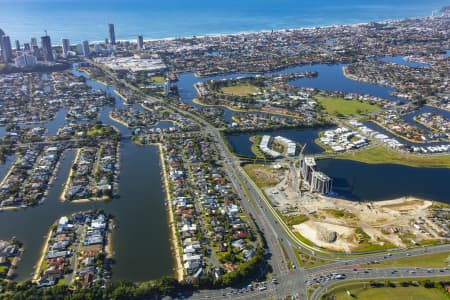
241,143
371,182
400,60
141,238
352,180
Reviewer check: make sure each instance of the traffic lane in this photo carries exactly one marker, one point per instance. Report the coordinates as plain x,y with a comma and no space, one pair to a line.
376,273
230,293
283,285
279,265
381,275
378,258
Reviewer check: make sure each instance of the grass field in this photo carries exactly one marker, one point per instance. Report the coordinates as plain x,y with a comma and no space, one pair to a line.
381,154
389,293
263,176
432,260
240,89
340,213
308,261
158,79
340,107
295,220
256,140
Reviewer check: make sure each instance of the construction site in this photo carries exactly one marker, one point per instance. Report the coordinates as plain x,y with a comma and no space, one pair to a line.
304,197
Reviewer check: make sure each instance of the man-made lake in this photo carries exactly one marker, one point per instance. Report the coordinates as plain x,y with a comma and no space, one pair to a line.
353,180
371,182
141,239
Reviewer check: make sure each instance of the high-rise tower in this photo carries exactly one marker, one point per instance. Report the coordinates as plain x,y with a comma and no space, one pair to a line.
6,48
33,42
47,50
2,33
65,47
112,34
86,50
140,42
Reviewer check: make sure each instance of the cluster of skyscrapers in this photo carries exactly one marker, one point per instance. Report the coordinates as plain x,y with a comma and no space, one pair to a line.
31,53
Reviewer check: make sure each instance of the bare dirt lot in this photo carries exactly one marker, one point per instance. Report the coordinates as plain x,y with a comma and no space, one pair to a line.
356,226
343,225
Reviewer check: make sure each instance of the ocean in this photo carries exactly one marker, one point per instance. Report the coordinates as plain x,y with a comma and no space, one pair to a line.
87,20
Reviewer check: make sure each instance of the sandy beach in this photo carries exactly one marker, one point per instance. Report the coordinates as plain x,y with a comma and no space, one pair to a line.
174,238
66,184
42,257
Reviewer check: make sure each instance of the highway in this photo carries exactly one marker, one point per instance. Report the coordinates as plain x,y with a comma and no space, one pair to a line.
381,274
292,279
295,282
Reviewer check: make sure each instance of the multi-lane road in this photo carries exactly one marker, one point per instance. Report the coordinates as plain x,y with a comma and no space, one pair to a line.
326,280
291,279
295,281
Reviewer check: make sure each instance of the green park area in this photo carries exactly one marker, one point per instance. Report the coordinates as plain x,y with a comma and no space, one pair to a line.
364,291
308,261
431,260
263,175
102,131
256,140
240,89
340,107
381,155
158,79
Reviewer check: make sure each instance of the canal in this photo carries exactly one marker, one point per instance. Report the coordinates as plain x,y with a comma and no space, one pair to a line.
371,182
141,238
352,180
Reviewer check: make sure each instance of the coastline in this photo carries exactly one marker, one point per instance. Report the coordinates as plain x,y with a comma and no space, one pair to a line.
263,30
434,106
62,197
16,260
174,236
9,172
42,257
198,102
125,99
109,241
92,77
400,136
427,126
49,183
118,120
